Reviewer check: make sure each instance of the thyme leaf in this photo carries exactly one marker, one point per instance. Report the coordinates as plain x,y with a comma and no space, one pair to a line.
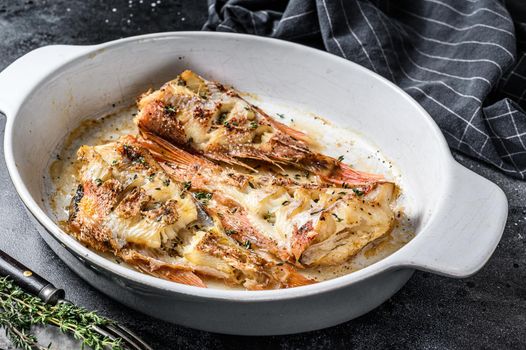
20,311
203,197
358,192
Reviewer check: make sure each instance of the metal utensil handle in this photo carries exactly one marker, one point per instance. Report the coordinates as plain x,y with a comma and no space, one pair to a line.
29,280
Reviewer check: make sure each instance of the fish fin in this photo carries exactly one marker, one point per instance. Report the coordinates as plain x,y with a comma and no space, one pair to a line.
290,278
277,163
257,155
298,135
228,160
158,268
344,174
179,276
165,151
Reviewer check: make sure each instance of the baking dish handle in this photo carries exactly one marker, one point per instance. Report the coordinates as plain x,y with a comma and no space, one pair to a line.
18,79
467,228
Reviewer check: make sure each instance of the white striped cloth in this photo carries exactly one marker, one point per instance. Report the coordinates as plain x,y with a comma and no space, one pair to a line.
458,58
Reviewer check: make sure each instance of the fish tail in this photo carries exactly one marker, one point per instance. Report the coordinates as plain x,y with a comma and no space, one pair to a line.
291,278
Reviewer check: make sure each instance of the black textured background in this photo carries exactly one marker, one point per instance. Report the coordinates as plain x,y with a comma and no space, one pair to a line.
487,311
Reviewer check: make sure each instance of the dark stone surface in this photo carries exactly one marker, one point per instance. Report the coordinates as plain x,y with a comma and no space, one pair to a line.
487,310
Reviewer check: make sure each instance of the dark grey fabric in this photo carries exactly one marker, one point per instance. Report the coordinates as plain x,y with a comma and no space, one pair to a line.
457,58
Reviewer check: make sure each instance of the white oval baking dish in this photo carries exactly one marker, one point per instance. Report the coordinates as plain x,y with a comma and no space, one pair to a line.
46,93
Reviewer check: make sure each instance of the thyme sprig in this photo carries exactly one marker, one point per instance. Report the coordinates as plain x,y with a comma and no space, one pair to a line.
19,311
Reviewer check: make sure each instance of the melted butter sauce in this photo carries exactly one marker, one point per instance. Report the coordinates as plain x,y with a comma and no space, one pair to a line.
63,169
355,149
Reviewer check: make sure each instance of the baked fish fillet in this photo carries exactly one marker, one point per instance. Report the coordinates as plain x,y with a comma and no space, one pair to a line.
307,223
128,206
210,119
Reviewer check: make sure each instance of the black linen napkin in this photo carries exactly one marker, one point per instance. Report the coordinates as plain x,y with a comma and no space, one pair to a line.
458,59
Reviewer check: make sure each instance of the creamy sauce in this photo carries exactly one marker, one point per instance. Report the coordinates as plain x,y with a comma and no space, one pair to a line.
337,141
63,168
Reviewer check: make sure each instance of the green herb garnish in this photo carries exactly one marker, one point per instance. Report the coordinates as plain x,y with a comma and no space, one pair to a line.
170,109
20,311
340,158
203,197
98,182
133,155
253,125
230,232
166,182
221,118
247,244
358,192
282,116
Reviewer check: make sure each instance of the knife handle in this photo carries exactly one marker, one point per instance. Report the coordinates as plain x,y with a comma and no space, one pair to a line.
29,280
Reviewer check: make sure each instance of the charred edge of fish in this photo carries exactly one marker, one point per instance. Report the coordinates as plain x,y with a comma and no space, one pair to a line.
79,194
